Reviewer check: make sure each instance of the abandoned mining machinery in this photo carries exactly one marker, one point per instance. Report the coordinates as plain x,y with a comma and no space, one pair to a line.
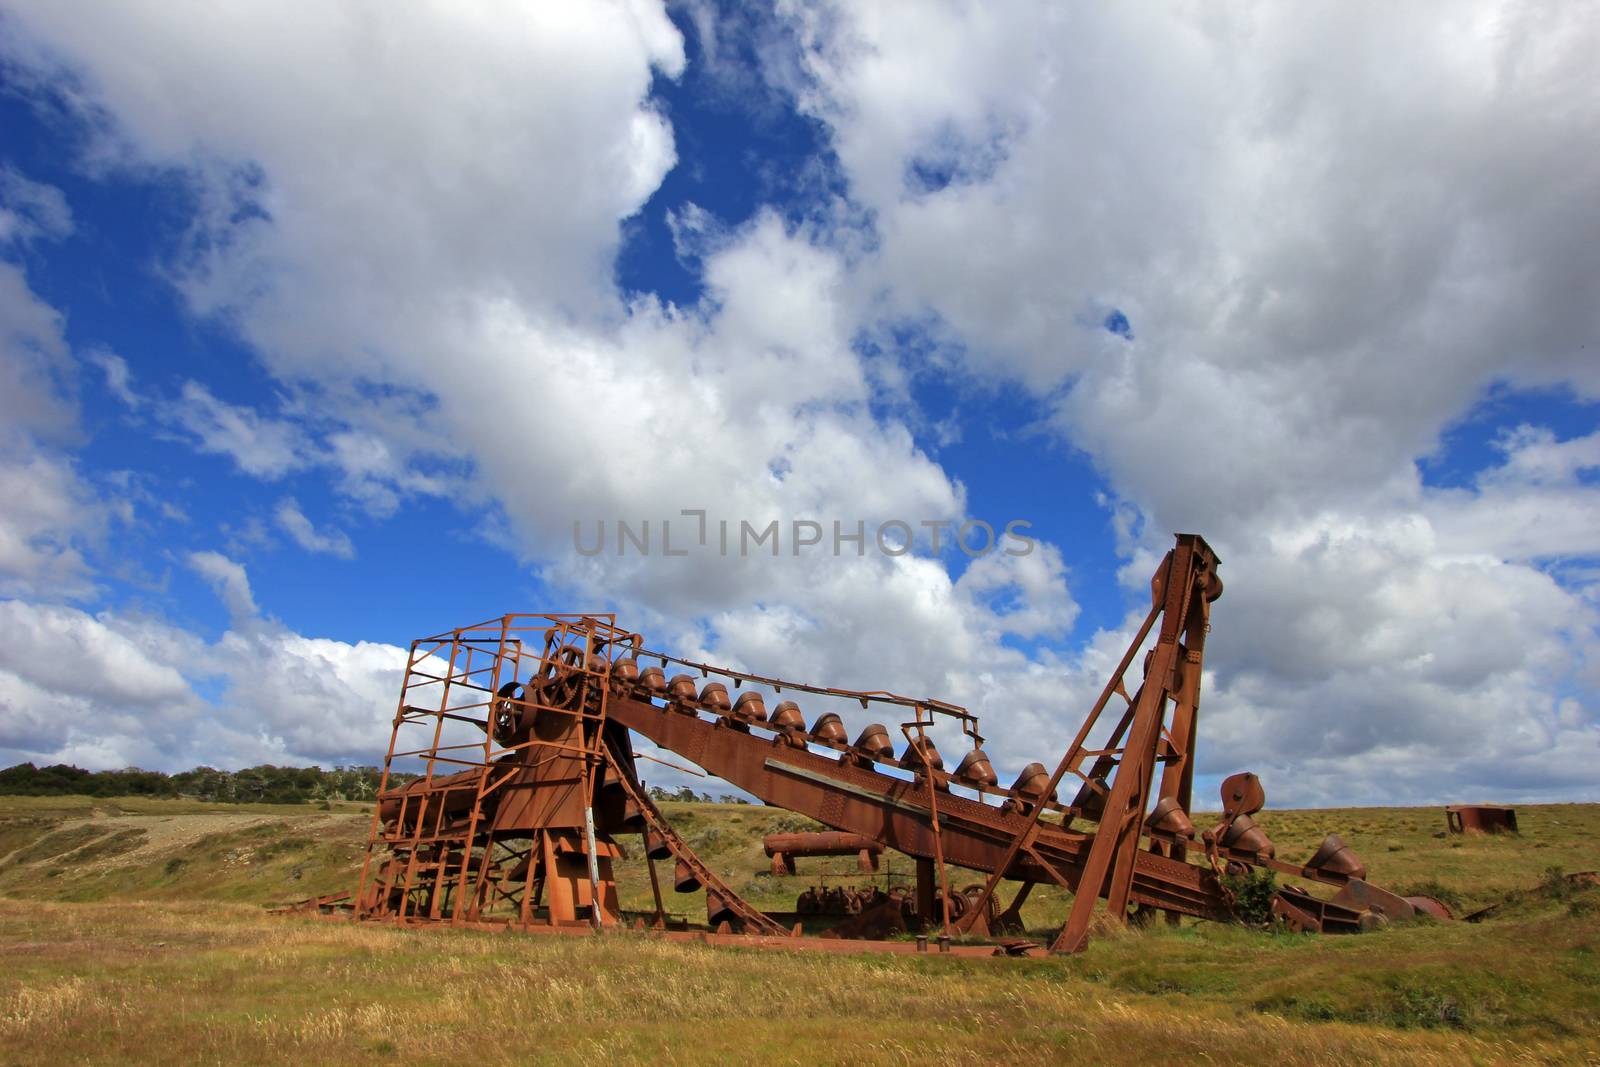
520,733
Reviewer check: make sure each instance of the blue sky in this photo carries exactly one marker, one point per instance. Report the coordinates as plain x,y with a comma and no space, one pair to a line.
106,278
326,348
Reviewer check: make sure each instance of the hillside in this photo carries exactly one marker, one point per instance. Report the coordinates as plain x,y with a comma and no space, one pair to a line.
96,848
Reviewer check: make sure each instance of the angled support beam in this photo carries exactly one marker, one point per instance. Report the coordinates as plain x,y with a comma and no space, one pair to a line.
1182,590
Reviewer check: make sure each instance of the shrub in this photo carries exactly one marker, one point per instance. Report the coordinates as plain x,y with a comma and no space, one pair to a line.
1252,894
1555,885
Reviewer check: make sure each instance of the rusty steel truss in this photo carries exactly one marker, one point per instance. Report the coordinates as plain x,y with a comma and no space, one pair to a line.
519,733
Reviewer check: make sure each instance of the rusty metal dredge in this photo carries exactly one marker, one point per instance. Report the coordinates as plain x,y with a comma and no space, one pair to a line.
521,728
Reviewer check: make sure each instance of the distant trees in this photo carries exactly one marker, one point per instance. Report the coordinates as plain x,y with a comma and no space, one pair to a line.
689,796
266,784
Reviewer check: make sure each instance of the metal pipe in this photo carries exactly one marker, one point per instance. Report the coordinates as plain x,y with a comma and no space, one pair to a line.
594,864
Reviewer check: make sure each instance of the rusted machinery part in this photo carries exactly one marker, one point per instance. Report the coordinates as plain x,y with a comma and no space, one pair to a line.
1432,907
1242,797
1306,914
630,675
682,692
1363,895
1028,789
841,900
971,897
871,913
423,800
1242,794
750,707
849,797
809,902
920,753
561,680
786,719
975,769
1159,727
720,909
820,843
634,649
690,872
878,920
875,915
651,680
1335,857
1241,834
1480,819
624,671
787,716
874,744
1357,907
829,729
656,846
1169,819
325,904
785,848
511,712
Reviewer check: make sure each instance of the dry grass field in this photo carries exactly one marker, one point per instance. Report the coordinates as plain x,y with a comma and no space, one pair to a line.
133,932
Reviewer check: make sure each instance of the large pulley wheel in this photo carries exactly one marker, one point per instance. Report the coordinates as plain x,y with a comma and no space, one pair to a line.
509,708
562,678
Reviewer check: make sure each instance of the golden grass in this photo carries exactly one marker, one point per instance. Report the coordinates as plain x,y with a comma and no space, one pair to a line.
223,983
193,971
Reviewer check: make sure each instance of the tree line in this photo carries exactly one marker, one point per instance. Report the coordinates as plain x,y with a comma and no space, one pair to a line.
266,784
